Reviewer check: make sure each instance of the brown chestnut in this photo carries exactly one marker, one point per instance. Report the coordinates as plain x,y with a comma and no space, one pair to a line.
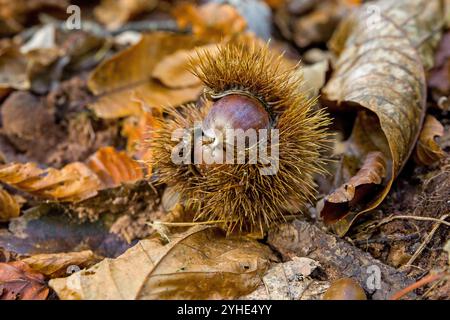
345,289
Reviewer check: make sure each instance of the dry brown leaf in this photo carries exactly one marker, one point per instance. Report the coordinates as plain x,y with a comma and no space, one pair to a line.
439,78
114,167
173,70
211,20
353,192
20,282
57,264
114,13
381,69
9,207
13,67
74,182
427,150
198,264
125,79
137,130
77,181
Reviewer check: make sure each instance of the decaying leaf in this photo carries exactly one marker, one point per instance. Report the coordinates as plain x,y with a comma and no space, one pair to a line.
76,181
114,167
381,69
212,20
114,13
290,281
198,264
9,207
123,82
59,264
353,192
427,150
20,282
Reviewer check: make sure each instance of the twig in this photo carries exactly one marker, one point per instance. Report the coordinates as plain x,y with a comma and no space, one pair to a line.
186,224
389,219
425,280
426,241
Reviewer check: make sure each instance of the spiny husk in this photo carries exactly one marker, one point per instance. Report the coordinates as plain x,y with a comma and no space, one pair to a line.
237,194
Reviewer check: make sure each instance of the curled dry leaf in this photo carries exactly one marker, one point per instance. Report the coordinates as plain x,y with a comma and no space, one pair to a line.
381,69
137,130
353,192
20,282
57,264
76,181
114,13
211,20
199,264
73,182
114,167
9,207
427,150
125,81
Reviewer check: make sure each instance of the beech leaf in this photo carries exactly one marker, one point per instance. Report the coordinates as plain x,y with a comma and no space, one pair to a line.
57,264
200,263
121,82
77,181
427,150
356,189
380,70
19,282
9,207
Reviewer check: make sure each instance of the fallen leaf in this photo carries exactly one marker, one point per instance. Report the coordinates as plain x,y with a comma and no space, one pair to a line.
439,76
198,264
427,150
9,207
121,82
290,281
62,264
74,182
20,282
211,20
315,77
138,130
77,181
114,167
114,13
381,70
353,192
13,67
173,70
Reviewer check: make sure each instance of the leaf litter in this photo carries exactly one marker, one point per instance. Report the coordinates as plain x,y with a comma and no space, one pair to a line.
78,108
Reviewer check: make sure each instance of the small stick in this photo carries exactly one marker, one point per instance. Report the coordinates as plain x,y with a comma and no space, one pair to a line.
389,219
425,280
426,241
